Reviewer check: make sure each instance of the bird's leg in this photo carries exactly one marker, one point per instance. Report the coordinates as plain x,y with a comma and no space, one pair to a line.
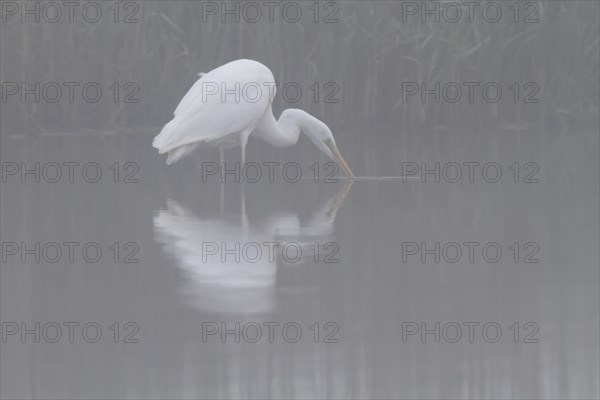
222,201
221,163
243,141
222,167
244,216
243,157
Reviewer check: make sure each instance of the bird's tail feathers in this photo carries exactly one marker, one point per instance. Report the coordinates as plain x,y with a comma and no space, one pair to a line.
167,137
178,153
174,138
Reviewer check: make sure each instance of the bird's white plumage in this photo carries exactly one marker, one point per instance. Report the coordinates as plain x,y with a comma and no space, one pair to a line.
218,118
231,102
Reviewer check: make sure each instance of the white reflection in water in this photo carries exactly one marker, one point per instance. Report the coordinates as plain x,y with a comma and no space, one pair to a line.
246,285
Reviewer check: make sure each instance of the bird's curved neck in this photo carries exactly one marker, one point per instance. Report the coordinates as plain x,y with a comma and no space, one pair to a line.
280,133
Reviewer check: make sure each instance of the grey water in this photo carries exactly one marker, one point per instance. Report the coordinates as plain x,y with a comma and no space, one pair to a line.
461,262
366,294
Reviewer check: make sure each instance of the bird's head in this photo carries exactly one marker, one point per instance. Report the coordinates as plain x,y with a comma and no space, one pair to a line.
320,134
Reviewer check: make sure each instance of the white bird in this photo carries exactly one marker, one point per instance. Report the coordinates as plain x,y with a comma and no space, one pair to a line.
241,106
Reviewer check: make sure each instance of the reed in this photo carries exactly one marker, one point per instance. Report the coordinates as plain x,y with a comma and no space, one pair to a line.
369,54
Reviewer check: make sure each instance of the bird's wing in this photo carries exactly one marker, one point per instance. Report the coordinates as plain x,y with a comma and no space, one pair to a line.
226,100
195,91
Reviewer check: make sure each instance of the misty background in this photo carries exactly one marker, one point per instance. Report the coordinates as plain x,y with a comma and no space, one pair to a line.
369,52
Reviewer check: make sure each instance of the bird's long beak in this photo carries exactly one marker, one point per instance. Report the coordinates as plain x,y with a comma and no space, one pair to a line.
337,156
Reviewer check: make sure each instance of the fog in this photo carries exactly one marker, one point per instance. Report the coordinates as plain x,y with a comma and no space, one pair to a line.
462,263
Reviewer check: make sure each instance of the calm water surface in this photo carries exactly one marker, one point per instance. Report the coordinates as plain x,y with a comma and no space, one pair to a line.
366,292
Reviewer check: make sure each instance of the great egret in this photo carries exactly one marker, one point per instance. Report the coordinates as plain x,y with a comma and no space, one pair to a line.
241,107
